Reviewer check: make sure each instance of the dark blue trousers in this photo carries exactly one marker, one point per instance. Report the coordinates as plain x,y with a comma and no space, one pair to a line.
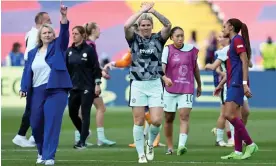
47,108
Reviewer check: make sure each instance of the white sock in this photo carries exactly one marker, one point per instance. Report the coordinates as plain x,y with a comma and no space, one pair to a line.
182,139
139,140
232,130
153,133
238,153
100,133
220,133
146,129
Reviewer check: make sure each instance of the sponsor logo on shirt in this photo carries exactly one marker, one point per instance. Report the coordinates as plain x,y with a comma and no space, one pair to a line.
148,51
240,46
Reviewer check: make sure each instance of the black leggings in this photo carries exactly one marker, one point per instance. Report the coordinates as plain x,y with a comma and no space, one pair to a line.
25,122
83,99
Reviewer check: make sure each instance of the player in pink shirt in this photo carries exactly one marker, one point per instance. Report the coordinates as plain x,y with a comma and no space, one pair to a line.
180,65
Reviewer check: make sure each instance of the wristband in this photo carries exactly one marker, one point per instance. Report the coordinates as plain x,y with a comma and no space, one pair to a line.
244,82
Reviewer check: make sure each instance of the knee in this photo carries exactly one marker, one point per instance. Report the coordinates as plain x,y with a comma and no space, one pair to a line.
227,115
184,117
169,118
156,123
101,109
139,121
156,120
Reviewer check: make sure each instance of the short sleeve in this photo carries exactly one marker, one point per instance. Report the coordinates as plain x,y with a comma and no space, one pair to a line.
222,56
159,37
165,55
239,45
130,41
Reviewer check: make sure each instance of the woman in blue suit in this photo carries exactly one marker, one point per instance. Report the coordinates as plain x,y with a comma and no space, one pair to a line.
46,81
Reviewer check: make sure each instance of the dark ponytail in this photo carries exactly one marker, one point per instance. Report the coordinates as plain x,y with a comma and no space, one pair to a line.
239,26
245,35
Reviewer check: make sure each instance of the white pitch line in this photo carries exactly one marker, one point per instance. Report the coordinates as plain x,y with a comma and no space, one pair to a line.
167,162
94,148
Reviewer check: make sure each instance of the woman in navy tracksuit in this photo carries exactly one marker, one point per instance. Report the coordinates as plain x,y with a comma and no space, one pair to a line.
46,81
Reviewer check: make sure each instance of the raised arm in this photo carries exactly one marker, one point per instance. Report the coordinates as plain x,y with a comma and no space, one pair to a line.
63,37
129,32
165,32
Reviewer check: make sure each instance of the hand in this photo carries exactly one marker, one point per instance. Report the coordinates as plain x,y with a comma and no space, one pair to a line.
105,74
250,64
108,66
152,10
208,66
198,91
63,10
217,91
247,91
97,90
22,94
167,81
146,6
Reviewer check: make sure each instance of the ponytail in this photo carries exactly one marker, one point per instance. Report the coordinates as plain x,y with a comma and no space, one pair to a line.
88,27
86,31
245,35
240,26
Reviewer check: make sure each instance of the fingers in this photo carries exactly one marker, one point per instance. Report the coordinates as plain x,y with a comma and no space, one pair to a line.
22,94
97,93
248,94
198,93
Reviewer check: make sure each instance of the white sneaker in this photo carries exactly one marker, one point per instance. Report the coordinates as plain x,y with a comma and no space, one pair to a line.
142,159
230,143
32,140
39,160
77,136
50,162
149,152
22,141
105,142
221,143
214,131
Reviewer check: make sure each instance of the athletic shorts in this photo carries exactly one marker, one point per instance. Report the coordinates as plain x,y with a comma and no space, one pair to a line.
146,93
172,102
235,94
224,94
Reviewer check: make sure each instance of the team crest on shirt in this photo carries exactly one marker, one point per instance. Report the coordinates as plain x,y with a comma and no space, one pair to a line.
183,69
70,53
84,57
176,57
240,46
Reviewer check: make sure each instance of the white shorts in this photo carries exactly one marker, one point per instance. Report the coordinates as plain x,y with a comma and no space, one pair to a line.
146,93
223,96
172,102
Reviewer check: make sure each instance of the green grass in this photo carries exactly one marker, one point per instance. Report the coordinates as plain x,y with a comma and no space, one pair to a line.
118,127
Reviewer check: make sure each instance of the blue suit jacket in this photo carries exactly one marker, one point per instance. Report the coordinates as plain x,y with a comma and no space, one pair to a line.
59,77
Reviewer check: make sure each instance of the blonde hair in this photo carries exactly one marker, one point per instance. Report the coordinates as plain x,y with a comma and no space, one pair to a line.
88,27
145,16
39,41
